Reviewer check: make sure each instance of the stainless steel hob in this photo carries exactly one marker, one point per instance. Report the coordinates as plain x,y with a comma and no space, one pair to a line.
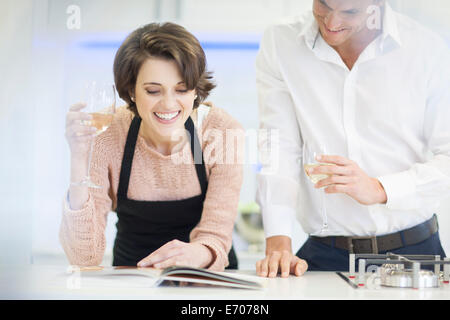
400,271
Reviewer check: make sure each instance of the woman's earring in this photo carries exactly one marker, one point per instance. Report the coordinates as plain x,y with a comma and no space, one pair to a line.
132,99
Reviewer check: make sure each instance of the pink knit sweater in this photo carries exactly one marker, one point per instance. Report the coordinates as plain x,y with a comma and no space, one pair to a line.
158,177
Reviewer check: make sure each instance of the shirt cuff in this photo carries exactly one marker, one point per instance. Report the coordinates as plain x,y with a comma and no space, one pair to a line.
278,220
400,189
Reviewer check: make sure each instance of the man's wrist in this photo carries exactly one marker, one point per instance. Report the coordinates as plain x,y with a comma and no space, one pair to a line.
382,196
278,243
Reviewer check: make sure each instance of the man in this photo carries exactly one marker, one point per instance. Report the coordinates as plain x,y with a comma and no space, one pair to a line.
372,86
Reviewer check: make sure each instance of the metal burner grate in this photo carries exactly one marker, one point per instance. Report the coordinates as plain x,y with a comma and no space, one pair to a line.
403,271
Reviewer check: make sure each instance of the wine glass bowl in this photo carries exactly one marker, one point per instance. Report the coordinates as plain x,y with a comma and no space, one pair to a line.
316,177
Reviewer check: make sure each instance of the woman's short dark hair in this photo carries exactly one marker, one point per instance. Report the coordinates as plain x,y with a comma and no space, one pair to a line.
168,41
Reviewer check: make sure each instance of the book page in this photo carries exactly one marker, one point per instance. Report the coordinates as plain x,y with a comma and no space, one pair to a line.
130,277
212,277
123,276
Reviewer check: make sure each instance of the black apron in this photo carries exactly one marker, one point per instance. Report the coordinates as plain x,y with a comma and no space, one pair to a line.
145,226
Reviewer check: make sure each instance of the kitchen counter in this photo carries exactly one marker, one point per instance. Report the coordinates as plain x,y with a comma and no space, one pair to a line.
53,282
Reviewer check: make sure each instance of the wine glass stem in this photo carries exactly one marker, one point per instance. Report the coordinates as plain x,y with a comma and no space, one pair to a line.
324,212
88,169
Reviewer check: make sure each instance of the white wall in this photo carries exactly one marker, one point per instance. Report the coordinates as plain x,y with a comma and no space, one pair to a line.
44,67
16,131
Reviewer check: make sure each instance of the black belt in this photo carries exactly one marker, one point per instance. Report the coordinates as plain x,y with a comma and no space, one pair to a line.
384,243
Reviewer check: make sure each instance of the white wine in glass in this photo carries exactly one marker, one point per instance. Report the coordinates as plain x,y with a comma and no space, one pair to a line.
316,177
101,121
100,101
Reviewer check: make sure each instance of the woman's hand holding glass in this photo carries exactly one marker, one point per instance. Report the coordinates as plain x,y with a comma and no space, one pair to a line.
79,135
83,122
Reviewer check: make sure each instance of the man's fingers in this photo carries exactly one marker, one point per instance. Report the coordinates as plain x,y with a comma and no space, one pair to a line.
258,267
337,188
334,180
262,267
298,266
331,170
285,262
339,160
274,263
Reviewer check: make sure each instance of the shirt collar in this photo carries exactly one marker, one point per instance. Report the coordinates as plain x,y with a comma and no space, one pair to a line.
310,32
390,28
390,25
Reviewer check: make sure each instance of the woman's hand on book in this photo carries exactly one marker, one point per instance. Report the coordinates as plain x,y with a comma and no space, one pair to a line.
178,253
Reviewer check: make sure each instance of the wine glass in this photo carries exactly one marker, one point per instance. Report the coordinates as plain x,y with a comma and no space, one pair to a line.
100,99
310,155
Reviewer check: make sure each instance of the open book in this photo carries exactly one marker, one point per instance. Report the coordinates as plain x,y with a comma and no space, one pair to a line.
174,276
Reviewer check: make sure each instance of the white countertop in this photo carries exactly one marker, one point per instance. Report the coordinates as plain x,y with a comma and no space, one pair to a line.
52,282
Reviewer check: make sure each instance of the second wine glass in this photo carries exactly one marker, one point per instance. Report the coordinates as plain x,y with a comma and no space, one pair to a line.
310,155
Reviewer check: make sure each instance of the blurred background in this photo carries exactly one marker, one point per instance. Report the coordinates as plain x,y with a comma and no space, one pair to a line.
49,48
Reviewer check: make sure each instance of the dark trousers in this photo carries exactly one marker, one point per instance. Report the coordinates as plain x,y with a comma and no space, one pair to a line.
232,259
321,257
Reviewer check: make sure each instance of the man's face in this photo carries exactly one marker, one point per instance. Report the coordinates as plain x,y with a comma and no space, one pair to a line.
342,20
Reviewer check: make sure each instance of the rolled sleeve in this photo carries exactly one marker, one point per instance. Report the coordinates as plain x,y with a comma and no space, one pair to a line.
278,220
400,190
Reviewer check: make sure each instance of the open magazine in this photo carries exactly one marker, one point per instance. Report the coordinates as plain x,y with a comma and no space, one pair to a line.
153,277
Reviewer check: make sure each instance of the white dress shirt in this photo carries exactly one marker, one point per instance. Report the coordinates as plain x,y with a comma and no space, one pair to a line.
390,114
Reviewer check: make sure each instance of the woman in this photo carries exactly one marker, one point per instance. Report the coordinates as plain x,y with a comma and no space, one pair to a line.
171,211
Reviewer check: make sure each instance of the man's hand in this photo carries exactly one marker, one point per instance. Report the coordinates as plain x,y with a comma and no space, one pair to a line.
279,258
347,177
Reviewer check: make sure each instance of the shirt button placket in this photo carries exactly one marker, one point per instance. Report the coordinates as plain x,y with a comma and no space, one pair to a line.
350,116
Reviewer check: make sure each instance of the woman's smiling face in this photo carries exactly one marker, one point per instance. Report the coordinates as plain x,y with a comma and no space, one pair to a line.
162,99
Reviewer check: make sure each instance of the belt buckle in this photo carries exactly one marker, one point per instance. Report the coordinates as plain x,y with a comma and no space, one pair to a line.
373,242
